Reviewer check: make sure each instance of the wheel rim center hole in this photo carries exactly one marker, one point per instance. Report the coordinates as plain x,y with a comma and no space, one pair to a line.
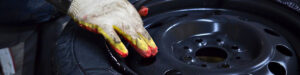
211,54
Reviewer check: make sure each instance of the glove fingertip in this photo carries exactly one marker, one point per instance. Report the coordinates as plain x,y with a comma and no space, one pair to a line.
146,53
144,11
154,51
121,52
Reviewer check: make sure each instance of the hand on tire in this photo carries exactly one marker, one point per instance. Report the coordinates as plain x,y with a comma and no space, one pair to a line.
109,17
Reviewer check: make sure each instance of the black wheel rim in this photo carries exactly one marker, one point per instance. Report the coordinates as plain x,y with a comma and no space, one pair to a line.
247,41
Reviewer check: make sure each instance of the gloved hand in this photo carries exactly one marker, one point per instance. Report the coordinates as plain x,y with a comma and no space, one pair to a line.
109,17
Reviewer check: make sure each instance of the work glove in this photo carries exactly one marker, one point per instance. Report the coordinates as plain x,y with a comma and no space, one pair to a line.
110,18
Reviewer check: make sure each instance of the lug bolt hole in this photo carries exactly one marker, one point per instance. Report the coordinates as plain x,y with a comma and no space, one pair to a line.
219,40
203,65
186,47
199,40
237,57
225,66
187,58
234,47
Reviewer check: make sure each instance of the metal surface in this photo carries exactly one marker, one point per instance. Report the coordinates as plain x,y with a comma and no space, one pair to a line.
219,37
243,46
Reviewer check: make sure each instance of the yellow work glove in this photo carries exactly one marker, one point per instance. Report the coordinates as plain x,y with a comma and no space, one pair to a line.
109,17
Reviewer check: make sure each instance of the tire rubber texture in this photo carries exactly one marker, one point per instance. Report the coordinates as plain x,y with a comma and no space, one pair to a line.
80,52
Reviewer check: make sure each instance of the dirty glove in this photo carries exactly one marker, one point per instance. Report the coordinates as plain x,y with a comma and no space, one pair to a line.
109,17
